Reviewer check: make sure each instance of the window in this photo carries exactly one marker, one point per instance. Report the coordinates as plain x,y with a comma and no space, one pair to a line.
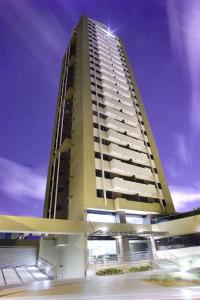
109,195
102,247
134,219
101,217
181,241
159,185
104,128
97,155
94,113
98,173
107,157
95,125
99,193
107,175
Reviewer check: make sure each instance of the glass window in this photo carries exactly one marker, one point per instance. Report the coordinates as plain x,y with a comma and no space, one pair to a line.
101,247
134,219
107,218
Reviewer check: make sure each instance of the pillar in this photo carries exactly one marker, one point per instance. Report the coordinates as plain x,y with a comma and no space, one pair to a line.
123,241
152,248
66,254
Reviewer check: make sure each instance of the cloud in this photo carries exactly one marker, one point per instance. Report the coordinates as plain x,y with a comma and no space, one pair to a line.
184,24
20,182
172,169
185,198
42,35
183,148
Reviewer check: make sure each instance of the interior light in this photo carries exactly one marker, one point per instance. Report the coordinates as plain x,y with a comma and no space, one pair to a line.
104,229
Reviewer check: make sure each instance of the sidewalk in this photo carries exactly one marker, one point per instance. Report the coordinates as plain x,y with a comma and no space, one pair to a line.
126,286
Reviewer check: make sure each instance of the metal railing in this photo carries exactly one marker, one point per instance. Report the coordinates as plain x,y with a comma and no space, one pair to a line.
47,268
107,261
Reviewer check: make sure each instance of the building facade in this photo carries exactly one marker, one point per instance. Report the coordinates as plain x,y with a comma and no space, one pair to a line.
104,164
106,197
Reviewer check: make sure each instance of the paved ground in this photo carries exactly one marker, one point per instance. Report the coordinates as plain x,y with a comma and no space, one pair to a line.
120,287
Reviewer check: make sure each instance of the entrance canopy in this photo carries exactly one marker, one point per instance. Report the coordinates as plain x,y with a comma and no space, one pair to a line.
57,226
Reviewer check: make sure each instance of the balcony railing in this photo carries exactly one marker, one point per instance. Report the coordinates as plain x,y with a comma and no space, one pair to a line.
117,166
119,106
123,186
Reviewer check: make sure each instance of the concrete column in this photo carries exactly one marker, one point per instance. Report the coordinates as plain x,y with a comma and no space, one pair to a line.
74,257
124,248
123,241
70,259
152,248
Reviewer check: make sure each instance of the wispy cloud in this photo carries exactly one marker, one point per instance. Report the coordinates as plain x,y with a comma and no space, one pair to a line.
183,148
21,184
173,171
44,39
185,198
184,24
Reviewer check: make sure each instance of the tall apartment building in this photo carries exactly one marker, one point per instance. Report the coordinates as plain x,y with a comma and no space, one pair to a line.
105,178
104,170
104,164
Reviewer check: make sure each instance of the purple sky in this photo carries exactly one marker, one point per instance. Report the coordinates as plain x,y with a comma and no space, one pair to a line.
163,43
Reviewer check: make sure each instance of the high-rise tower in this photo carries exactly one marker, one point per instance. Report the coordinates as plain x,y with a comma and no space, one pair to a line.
105,178
104,164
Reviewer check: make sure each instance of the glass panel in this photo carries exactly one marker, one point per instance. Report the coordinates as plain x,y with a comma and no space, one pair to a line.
99,247
100,218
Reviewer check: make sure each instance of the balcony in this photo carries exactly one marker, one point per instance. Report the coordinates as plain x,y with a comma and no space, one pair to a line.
119,106
105,70
137,207
116,87
108,50
106,56
127,154
110,112
107,46
111,63
120,139
111,68
105,53
123,186
116,166
122,127
116,114
105,41
119,126
115,79
103,33
125,140
114,95
120,185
